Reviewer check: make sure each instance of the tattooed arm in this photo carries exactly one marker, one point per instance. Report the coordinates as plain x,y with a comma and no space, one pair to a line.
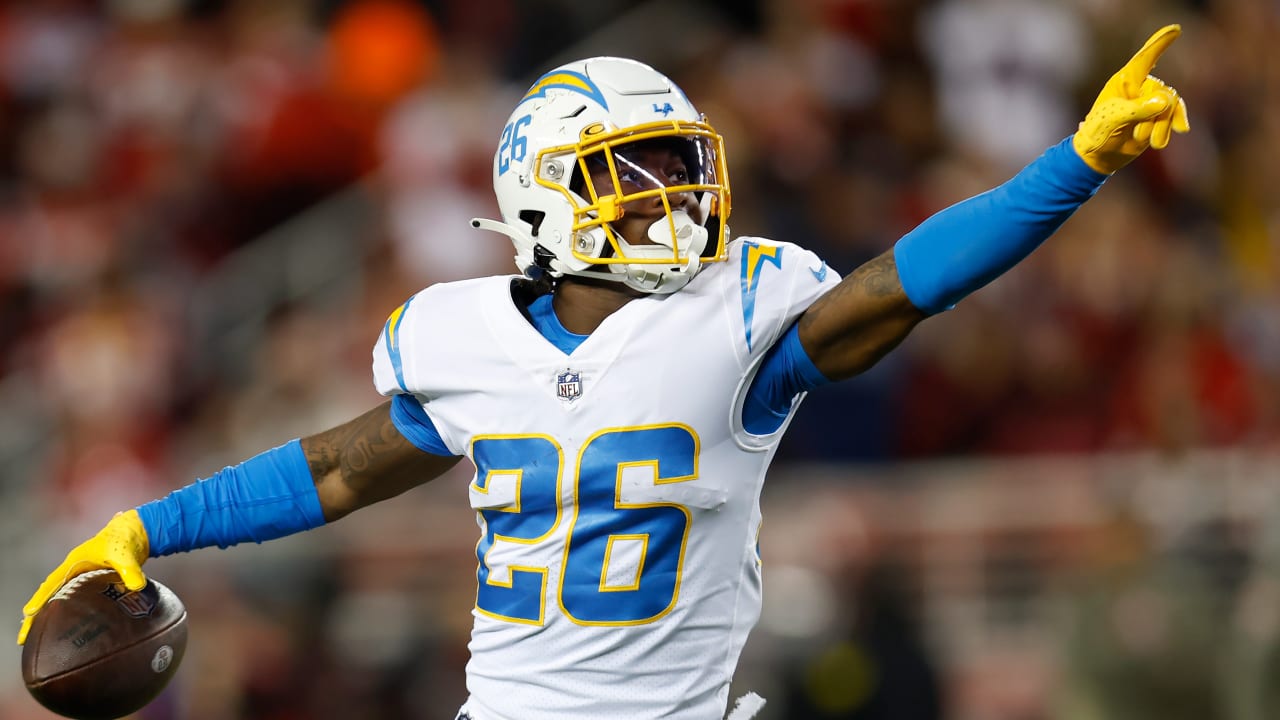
367,460
267,496
849,329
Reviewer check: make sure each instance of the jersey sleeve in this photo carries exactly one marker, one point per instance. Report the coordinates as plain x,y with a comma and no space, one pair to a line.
777,281
392,356
394,375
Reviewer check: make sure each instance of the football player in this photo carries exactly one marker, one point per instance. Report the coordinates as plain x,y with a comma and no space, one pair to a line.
621,397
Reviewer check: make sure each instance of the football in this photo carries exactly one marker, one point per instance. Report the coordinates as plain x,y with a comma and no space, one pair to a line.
99,651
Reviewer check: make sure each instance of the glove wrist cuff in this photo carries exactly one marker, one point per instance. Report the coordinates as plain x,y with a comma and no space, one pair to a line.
1085,149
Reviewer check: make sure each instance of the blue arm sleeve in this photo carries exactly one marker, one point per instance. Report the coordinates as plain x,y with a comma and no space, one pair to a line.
785,372
267,496
966,246
412,422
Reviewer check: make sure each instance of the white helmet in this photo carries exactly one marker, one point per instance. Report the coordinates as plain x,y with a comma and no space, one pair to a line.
585,117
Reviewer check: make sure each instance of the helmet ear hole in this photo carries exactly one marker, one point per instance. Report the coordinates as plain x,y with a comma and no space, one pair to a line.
534,218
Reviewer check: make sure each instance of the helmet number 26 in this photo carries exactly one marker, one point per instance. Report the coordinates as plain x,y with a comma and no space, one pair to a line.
513,146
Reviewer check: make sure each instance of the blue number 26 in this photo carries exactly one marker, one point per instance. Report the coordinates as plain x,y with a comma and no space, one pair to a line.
622,560
513,146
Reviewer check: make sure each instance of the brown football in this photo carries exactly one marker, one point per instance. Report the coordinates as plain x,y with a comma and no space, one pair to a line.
99,651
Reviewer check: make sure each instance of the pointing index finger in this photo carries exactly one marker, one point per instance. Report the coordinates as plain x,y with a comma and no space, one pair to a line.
1141,64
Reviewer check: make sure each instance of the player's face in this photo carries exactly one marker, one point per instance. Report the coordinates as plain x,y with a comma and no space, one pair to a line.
648,166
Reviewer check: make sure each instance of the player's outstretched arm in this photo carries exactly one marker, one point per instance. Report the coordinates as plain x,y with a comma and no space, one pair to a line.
297,486
966,246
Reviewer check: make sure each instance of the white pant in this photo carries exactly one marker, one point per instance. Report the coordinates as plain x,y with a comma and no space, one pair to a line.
745,708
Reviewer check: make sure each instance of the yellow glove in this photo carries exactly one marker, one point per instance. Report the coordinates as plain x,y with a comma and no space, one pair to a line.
1134,111
121,546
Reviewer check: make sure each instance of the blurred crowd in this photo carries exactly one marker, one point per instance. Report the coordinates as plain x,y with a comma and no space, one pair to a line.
147,146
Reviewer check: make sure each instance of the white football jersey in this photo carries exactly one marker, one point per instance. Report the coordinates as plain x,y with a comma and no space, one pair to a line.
616,490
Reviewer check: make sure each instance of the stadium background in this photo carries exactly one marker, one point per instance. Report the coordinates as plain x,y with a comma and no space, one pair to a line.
1058,501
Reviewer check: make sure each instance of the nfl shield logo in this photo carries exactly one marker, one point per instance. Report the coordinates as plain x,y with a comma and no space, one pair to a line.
569,385
134,603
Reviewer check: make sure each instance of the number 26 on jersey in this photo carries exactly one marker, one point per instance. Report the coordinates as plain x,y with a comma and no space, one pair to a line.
622,560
